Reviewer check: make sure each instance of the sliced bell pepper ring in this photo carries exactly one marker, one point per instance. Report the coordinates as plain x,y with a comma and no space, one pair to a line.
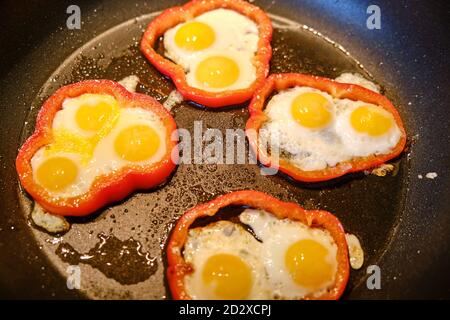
105,188
178,268
176,15
278,82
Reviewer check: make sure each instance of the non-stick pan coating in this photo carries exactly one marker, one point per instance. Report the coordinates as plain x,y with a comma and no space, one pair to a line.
383,212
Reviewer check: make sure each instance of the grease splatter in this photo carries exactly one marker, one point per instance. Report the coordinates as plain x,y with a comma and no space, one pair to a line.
123,261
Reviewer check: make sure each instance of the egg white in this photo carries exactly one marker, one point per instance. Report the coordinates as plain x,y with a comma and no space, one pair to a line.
83,180
104,159
355,251
316,149
309,149
104,153
360,144
65,118
265,254
232,31
236,37
277,235
247,71
356,78
223,237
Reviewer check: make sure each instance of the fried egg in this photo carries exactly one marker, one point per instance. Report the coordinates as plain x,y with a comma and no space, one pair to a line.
315,131
94,136
51,223
225,262
355,251
216,50
86,115
365,129
273,259
299,260
356,78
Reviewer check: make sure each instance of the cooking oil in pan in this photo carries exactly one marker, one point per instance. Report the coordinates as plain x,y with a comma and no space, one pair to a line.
368,206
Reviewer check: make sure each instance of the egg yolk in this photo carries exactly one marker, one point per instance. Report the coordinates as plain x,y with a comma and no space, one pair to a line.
57,173
65,141
311,110
217,72
307,264
370,120
137,143
195,36
229,275
92,117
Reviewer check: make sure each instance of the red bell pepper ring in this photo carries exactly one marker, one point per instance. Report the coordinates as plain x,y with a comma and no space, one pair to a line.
178,268
278,82
176,15
105,188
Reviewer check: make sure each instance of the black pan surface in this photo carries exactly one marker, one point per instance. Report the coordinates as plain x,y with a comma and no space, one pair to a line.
402,221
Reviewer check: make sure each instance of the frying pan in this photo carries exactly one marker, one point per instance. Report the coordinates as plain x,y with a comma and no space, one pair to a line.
402,221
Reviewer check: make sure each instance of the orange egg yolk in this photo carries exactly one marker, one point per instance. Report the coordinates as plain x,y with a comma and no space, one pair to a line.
371,120
306,262
311,110
217,72
195,36
92,117
57,173
137,143
228,275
